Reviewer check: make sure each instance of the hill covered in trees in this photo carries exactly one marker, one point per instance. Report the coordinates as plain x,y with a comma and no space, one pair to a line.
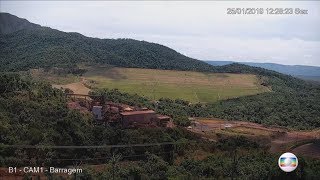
291,100
43,47
46,47
32,113
310,73
10,23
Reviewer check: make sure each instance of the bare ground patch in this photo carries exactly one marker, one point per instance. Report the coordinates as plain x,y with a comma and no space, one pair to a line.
77,88
279,139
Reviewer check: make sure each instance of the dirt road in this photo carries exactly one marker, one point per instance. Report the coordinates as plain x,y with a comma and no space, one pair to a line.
281,139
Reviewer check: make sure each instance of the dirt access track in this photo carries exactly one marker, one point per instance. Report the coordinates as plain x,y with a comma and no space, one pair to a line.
279,139
77,87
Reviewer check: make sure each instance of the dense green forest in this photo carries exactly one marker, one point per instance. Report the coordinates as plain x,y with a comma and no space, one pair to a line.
32,113
292,102
288,108
10,23
45,47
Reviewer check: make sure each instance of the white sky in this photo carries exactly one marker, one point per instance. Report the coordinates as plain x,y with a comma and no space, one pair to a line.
201,30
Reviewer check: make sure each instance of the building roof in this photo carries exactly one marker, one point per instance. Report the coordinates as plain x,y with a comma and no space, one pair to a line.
137,112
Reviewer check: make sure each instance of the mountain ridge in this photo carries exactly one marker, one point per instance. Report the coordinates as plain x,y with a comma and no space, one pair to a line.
10,23
294,70
44,47
291,99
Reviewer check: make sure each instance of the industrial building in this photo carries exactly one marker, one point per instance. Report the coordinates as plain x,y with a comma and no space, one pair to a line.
117,113
143,118
138,118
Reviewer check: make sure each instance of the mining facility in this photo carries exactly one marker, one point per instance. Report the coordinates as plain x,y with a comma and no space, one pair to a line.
107,112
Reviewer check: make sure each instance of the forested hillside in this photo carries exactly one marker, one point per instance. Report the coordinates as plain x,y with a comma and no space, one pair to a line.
292,102
295,109
45,47
32,113
294,70
10,23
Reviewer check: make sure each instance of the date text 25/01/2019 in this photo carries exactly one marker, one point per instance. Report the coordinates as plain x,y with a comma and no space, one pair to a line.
271,11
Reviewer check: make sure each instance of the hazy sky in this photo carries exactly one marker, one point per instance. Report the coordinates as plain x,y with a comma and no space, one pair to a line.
201,30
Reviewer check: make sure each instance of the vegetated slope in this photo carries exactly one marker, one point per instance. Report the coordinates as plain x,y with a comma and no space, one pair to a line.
45,47
186,85
288,108
10,23
293,102
314,79
294,70
32,113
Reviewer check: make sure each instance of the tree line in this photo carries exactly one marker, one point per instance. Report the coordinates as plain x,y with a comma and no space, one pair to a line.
33,113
